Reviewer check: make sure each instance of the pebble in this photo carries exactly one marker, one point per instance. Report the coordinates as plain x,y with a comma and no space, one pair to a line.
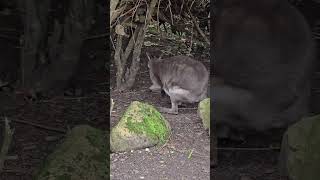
136,171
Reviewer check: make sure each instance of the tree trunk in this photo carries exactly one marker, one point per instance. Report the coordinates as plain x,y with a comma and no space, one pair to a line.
126,80
49,62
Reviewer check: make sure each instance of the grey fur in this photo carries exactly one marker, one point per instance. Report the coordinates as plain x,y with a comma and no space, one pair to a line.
182,78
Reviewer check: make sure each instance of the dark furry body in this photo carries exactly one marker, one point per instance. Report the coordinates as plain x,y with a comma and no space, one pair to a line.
264,54
182,78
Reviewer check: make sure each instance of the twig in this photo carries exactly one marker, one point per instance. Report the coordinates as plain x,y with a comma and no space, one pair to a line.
17,171
117,92
169,4
248,149
198,29
188,108
113,46
181,8
191,5
158,15
165,144
6,143
111,105
96,36
192,152
39,125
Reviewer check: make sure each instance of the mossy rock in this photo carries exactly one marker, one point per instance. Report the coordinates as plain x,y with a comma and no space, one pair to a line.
204,112
141,126
83,155
300,150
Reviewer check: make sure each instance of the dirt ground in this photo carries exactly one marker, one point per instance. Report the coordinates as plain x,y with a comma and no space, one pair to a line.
170,161
39,127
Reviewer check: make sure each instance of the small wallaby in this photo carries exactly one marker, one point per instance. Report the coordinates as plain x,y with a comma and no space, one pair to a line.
182,78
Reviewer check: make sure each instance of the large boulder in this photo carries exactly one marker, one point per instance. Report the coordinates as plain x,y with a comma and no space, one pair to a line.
141,126
82,155
300,150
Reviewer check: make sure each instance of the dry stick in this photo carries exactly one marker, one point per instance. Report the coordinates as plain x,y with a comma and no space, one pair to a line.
111,40
198,29
118,61
117,14
194,152
191,5
138,46
248,149
118,18
135,64
181,8
16,171
112,105
191,40
170,12
39,126
121,60
129,92
133,14
158,15
65,98
6,143
96,36
129,48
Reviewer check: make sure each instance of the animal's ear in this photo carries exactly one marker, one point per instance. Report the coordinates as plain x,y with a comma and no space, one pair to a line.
149,59
148,56
160,55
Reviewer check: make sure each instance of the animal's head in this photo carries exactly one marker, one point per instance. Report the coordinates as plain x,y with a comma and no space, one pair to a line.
152,59
154,73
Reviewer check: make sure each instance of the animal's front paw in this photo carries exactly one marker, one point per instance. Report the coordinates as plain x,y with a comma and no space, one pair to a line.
168,110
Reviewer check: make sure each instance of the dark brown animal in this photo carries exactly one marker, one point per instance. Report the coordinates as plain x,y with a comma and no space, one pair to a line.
264,53
182,78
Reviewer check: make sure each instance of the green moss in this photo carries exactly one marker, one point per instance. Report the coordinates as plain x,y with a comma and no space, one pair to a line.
152,124
99,139
77,156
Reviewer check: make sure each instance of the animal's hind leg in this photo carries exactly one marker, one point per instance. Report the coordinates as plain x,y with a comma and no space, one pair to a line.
172,110
175,97
239,109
